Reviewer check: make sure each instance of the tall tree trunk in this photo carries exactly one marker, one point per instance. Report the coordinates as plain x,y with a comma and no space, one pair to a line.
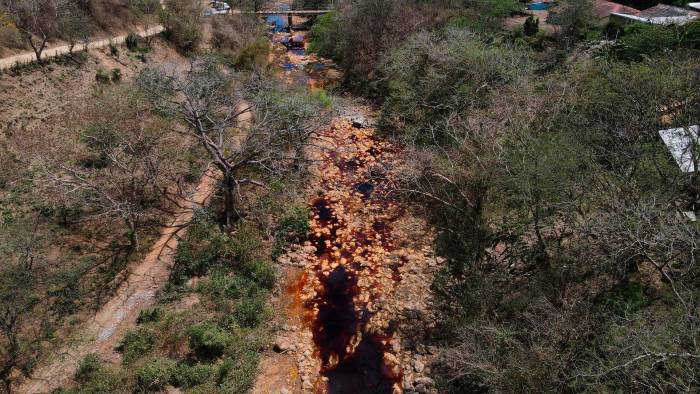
229,194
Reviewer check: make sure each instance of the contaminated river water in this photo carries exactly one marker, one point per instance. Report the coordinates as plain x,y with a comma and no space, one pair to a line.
358,280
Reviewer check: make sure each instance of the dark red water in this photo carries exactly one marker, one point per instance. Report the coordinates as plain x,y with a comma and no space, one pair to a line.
349,370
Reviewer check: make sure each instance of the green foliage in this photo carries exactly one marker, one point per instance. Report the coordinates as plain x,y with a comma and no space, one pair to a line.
252,311
208,340
640,41
102,76
88,367
136,344
292,229
182,20
132,41
149,315
94,378
435,76
531,26
188,376
253,56
116,75
154,375
325,36
113,49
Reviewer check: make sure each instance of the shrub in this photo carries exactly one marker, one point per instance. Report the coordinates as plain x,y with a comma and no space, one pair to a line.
434,76
11,38
136,344
642,40
532,26
242,39
237,375
183,23
116,75
93,378
154,374
88,367
324,37
208,340
132,41
251,311
149,315
262,272
102,76
187,376
227,286
253,56
113,50
293,228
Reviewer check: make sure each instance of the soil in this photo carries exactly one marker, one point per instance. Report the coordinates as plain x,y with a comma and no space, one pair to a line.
103,333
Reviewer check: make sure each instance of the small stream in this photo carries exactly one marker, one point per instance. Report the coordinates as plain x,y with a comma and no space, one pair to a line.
351,234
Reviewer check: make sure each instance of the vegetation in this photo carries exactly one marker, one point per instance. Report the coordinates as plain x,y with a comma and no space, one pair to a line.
182,20
565,224
241,40
568,260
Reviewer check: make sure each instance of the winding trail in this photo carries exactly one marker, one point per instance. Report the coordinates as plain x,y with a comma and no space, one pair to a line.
29,57
104,331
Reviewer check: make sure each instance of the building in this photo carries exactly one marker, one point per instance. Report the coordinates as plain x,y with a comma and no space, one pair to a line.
661,14
602,9
684,145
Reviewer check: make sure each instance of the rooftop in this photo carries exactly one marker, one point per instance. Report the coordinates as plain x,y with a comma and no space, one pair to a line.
666,11
684,145
603,9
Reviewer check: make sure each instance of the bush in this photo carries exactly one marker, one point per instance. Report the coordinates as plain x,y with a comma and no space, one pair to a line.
237,375
643,40
113,50
532,26
292,229
435,76
88,367
324,37
116,75
132,41
187,376
251,311
11,38
183,23
208,340
154,375
262,272
93,378
102,76
242,39
149,315
136,344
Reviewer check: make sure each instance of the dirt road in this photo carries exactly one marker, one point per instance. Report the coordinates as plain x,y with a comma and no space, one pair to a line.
29,57
119,314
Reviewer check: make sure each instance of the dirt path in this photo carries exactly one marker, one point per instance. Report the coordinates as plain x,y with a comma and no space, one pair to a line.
119,314
29,57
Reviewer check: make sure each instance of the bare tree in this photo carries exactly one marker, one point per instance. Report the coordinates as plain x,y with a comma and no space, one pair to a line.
241,125
123,166
37,20
19,299
148,13
74,26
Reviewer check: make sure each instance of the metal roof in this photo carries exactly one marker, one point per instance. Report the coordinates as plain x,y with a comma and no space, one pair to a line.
684,145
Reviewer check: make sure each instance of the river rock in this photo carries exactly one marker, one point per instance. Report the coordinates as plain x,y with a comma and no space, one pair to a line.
418,366
391,368
282,345
424,381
